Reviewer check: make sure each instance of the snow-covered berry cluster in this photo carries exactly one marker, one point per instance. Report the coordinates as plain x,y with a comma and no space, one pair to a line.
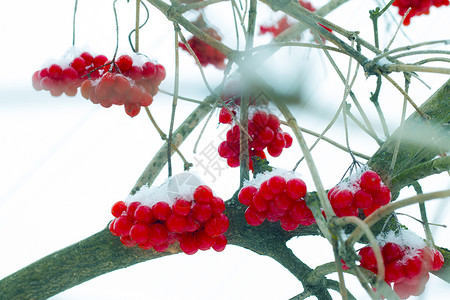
205,53
276,196
417,7
196,220
127,81
263,128
407,261
67,75
363,190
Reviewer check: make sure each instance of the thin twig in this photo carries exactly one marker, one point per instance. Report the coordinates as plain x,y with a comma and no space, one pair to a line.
393,206
187,165
419,111
398,28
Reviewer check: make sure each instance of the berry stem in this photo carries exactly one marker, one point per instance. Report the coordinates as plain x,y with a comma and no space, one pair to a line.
187,165
74,22
117,34
137,27
174,101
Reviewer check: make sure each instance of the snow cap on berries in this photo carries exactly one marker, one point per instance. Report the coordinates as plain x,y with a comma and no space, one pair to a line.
180,185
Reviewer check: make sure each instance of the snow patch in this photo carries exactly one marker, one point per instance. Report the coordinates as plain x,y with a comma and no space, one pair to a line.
261,177
181,185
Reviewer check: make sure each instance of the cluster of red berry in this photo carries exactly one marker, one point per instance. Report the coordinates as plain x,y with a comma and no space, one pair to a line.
263,128
128,82
284,23
277,199
67,77
407,268
196,224
417,7
205,53
363,191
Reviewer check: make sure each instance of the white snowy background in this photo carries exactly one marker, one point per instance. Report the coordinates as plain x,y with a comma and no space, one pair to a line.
65,161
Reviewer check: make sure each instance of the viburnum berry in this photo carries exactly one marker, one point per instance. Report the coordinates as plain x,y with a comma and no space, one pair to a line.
195,218
417,7
276,197
362,191
118,208
265,132
205,53
407,262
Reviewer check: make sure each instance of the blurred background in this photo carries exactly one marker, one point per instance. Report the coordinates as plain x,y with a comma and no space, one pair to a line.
64,161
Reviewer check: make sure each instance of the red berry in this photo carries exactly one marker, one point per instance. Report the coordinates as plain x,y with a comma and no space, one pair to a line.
160,73
363,199
277,184
158,233
342,199
99,61
259,203
36,81
201,212
161,247
134,73
415,266
246,194
288,223
88,59
217,205
438,260
118,208
176,223
124,62
300,211
220,242
260,119
143,214
368,260
391,252
287,139
283,202
121,85
217,225
203,194
139,233
296,188
382,196
132,109
273,122
112,229
265,192
149,70
394,271
225,116
191,224
132,208
370,210
253,217
161,211
146,245
181,207
188,244
122,225
69,74
86,88
127,241
55,71
78,64
204,241
370,181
